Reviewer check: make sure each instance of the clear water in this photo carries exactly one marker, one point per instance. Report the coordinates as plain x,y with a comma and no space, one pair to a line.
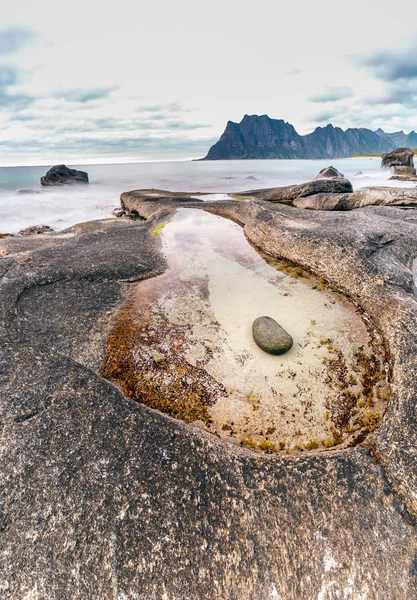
24,202
190,343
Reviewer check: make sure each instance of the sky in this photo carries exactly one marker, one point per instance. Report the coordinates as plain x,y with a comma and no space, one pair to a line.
90,81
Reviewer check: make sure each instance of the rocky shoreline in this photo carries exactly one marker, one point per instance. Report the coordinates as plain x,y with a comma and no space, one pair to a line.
104,496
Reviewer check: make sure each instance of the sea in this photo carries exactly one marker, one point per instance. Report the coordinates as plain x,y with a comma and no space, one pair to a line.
24,202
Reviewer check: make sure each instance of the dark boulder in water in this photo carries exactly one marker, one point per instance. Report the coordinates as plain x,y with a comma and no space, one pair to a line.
60,174
401,157
329,173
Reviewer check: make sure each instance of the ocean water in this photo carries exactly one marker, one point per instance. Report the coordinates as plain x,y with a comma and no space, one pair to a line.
24,202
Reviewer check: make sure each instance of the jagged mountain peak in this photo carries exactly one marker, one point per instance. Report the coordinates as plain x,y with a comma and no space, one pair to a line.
261,137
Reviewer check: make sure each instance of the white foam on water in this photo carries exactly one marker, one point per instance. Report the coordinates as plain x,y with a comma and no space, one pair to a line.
24,202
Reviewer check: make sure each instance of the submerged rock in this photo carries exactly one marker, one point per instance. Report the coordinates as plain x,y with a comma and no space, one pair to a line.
36,230
404,173
28,191
60,174
270,336
330,173
398,158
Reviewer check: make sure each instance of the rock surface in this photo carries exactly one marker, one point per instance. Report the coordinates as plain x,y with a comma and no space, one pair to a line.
287,194
105,498
400,157
141,203
406,197
404,174
329,172
270,336
60,174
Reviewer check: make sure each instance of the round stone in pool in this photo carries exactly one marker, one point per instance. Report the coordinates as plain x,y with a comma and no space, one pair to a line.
270,336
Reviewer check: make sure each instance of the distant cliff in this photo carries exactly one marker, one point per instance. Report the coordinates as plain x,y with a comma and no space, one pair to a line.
262,137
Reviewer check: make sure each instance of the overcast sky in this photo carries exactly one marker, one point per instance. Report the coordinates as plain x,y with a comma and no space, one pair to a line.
154,80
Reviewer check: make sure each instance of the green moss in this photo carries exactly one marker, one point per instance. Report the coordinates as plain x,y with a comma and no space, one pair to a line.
312,445
158,229
249,442
266,445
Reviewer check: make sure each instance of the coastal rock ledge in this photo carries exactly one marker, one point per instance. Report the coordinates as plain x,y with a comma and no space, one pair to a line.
105,498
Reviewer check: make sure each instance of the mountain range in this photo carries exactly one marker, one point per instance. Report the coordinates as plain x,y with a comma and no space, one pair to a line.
260,137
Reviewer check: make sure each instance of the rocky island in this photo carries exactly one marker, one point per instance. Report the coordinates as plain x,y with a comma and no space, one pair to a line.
61,174
113,489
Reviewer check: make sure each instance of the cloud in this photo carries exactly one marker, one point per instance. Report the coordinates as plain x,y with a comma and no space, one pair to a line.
365,114
94,125
169,107
24,117
390,66
326,116
400,93
14,102
152,146
294,72
83,96
9,76
333,94
15,38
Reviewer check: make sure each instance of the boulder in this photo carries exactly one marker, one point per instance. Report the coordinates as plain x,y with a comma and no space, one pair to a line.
270,336
329,173
401,157
36,230
60,174
405,171
377,196
286,194
404,174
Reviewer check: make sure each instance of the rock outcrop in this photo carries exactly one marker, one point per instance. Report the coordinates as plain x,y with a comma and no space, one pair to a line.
105,498
60,174
286,194
320,194
400,157
260,137
329,173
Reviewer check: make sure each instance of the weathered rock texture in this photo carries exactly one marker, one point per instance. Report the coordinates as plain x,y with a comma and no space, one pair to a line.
105,498
60,174
400,157
404,174
329,172
322,194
